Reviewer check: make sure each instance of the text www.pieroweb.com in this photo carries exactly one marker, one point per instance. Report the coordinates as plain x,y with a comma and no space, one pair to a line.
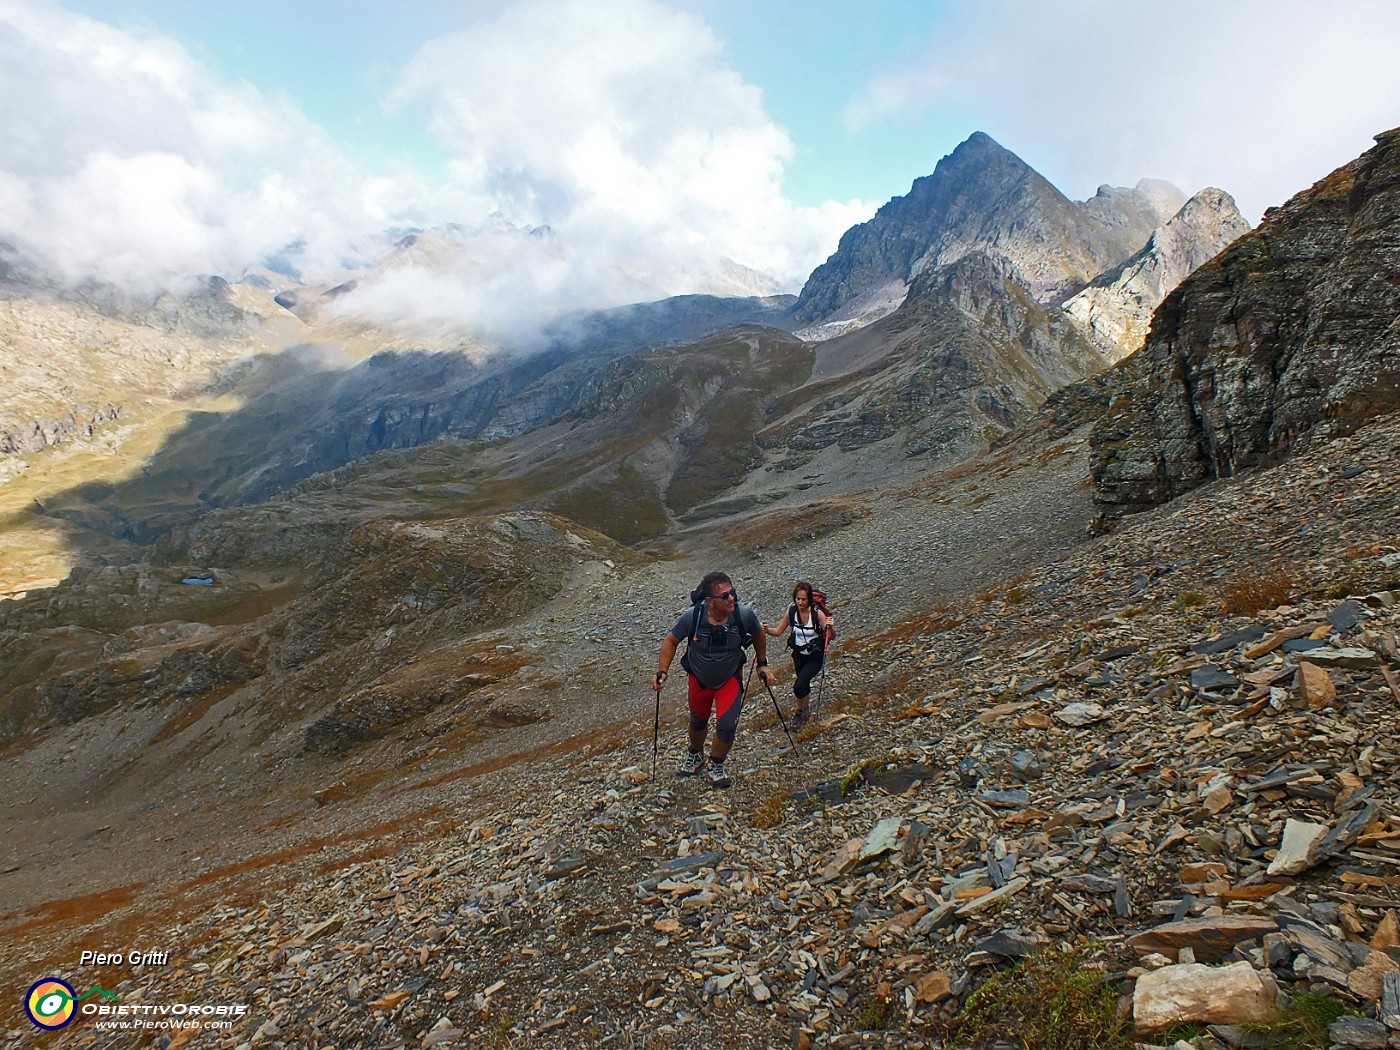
149,1024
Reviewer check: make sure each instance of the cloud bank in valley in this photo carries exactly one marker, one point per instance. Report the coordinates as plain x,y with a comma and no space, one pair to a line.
124,162
610,119
615,123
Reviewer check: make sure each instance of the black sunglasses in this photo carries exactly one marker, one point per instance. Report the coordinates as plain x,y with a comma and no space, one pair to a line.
727,596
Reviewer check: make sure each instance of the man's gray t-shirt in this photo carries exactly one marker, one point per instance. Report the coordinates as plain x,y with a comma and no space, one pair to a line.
715,656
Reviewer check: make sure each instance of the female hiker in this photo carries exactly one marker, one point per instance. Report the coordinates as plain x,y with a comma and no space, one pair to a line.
812,631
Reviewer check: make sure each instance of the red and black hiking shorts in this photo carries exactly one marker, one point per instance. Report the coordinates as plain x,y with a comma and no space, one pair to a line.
727,702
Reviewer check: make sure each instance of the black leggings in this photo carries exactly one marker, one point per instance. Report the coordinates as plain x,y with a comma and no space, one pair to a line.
807,667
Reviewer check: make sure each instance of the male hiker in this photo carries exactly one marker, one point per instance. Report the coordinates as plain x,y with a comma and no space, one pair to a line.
717,630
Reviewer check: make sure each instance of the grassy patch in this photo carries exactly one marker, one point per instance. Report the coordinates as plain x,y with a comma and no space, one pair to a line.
770,811
722,454
626,508
875,1017
191,712
920,626
1187,600
1015,596
802,525
1252,590
1177,1032
1303,1025
1338,589
1056,999
867,771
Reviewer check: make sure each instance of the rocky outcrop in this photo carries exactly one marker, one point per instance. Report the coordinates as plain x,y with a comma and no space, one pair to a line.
72,362
1287,337
968,356
1116,308
79,421
982,197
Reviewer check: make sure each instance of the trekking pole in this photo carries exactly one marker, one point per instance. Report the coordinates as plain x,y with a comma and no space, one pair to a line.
821,677
781,719
656,735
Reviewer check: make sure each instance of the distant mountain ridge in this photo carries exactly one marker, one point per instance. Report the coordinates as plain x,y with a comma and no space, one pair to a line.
1116,308
963,278
983,197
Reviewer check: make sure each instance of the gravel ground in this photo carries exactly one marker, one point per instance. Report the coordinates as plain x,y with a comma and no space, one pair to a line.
566,900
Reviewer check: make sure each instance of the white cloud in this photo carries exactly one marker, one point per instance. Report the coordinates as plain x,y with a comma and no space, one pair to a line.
1259,97
891,92
617,123
123,160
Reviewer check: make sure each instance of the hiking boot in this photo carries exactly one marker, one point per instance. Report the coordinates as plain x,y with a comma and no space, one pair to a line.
800,717
693,762
715,774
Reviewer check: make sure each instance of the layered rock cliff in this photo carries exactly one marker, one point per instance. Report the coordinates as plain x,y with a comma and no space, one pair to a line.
71,363
1288,336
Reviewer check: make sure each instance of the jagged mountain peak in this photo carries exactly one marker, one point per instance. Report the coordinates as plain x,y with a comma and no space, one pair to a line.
1212,198
979,148
980,197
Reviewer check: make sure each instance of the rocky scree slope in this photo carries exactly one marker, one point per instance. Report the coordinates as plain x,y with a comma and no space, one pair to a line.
1115,747
210,704
1285,338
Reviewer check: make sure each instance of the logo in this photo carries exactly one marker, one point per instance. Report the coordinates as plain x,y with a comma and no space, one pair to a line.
50,1002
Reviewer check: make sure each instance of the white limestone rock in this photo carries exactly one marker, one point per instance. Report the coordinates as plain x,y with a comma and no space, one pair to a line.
1186,992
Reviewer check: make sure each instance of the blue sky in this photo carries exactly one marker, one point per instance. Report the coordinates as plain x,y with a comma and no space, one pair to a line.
338,60
160,137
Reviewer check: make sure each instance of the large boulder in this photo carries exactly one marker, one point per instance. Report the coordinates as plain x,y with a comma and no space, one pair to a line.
1187,992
